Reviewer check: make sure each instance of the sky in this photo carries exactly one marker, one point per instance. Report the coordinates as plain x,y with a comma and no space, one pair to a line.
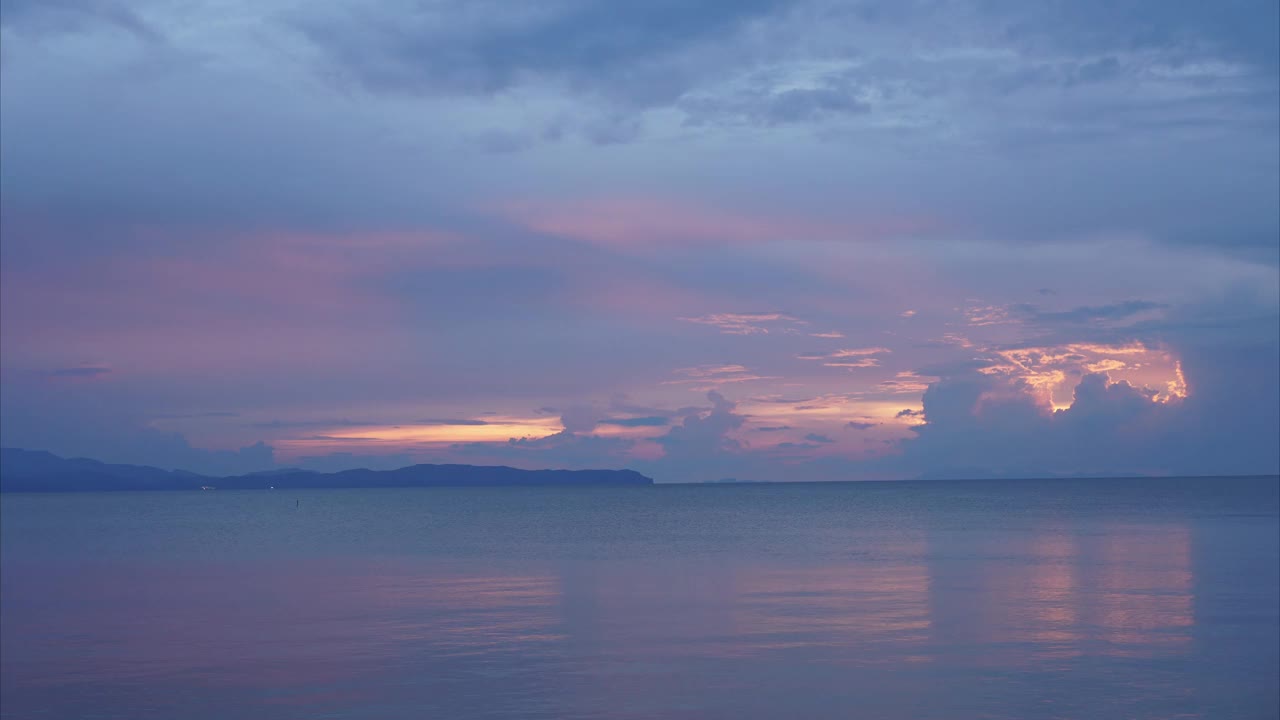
806,240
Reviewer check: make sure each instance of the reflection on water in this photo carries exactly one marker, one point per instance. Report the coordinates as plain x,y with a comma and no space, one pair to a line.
878,611
1145,585
1076,618
1126,591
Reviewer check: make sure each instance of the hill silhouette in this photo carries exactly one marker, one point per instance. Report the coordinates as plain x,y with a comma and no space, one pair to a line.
39,471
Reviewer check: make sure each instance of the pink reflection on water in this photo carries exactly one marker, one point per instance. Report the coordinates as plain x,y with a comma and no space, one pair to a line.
270,627
1065,593
1144,603
304,634
879,611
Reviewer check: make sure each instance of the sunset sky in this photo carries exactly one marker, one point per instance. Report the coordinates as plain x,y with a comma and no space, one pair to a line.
762,240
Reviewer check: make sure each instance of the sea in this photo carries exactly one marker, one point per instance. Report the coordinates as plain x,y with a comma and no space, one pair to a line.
1019,599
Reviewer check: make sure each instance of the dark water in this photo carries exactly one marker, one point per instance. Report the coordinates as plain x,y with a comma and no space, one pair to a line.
1067,599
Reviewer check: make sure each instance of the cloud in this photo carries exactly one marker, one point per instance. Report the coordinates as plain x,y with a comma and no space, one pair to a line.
81,371
652,421
329,423
710,376
704,434
766,104
849,357
492,47
981,425
855,425
817,438
1116,313
71,16
860,363
369,210
745,323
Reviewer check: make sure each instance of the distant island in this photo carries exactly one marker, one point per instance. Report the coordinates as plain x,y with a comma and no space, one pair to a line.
38,471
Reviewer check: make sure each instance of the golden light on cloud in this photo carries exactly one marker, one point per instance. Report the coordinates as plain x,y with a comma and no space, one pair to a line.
1106,365
490,429
1177,387
1053,371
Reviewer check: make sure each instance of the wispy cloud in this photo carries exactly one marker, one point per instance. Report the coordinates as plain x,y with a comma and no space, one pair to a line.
849,357
707,377
747,323
85,372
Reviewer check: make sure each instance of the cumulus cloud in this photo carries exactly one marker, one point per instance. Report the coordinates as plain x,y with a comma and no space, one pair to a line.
981,425
703,435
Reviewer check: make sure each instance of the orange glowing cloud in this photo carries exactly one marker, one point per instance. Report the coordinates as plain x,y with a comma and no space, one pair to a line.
1052,371
491,429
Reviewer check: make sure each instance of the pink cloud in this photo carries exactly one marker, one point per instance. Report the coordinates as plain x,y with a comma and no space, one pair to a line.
240,301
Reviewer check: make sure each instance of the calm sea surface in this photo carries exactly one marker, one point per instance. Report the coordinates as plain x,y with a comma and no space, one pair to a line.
949,600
